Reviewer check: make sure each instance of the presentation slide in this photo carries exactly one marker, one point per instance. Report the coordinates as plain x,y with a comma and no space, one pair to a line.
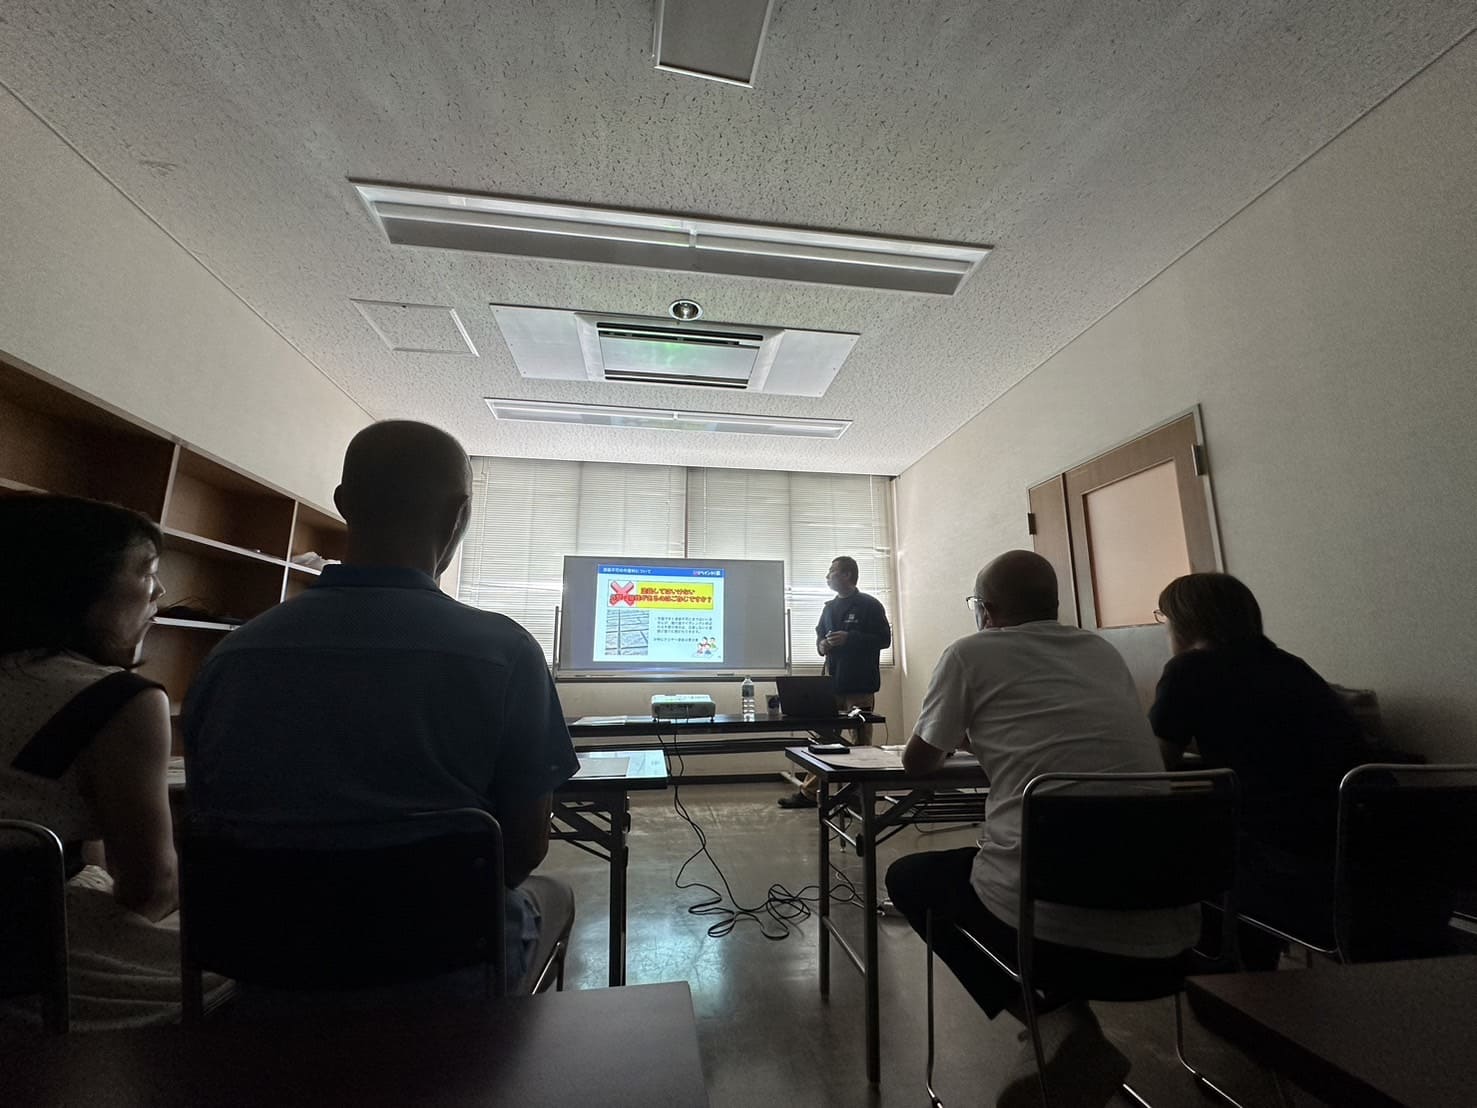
674,616
658,614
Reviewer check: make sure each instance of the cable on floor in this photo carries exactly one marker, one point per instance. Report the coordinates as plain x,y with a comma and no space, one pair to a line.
781,912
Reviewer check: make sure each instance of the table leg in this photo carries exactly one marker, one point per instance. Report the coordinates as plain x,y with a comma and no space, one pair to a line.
869,933
620,814
822,806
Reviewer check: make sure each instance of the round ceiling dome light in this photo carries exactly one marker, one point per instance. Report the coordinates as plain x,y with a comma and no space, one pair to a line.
686,310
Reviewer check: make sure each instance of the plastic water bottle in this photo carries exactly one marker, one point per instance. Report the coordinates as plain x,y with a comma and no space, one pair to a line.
748,698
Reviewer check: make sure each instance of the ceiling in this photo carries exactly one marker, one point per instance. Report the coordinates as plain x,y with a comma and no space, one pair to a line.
1091,143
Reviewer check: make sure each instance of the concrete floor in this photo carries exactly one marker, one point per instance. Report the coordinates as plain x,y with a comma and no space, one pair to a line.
766,1035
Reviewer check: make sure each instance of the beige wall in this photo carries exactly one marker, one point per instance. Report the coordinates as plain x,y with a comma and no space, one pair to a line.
93,293
1329,332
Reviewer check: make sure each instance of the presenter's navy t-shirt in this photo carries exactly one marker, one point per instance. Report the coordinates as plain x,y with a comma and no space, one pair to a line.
854,667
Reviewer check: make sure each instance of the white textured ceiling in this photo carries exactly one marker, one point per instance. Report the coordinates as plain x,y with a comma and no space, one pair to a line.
1090,142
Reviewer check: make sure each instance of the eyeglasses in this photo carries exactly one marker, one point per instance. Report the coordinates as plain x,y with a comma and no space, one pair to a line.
972,602
1160,617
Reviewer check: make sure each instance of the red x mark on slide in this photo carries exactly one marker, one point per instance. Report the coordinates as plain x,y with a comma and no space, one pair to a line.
622,594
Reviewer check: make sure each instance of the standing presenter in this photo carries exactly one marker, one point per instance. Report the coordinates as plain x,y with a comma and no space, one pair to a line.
852,634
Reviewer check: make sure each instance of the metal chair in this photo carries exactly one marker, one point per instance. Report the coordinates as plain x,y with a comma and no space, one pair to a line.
424,896
1406,846
33,919
1131,841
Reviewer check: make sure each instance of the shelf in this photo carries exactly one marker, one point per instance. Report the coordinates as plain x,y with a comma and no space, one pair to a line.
227,535
319,532
51,440
58,402
176,539
193,624
212,500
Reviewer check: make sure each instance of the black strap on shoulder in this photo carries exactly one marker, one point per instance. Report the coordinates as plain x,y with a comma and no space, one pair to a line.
52,750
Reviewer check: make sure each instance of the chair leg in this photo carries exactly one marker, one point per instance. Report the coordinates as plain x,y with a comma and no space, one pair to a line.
554,966
933,1098
1204,1083
1033,1028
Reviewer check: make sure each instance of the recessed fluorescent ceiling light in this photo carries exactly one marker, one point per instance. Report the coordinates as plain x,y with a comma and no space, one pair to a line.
665,419
568,232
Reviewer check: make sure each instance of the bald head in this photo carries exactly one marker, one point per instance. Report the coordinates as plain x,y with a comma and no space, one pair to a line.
1017,587
405,485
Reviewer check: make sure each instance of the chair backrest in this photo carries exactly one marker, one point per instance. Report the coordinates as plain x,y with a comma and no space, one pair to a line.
33,918
1128,841
1407,845
274,906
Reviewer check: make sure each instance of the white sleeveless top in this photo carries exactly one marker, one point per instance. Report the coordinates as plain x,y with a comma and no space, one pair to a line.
51,707
122,970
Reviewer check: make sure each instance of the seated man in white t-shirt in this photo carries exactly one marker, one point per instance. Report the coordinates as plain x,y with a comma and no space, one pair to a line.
1028,696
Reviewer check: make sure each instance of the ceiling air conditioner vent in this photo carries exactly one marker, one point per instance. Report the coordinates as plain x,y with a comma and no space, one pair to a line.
664,355
553,344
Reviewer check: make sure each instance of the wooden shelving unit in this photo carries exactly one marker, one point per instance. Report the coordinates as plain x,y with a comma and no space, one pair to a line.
228,537
313,532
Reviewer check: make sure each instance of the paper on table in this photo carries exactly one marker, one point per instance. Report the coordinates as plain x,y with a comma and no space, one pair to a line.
960,753
878,757
600,721
868,757
602,767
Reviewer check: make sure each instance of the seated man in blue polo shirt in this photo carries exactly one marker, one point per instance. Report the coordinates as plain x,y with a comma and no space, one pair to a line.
374,694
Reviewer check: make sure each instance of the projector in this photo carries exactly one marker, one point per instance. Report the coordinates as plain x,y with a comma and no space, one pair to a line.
686,706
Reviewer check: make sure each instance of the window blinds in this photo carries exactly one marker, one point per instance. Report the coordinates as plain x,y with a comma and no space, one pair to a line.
528,513
806,519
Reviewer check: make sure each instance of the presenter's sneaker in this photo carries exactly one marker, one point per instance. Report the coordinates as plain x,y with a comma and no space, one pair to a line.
1083,1069
797,799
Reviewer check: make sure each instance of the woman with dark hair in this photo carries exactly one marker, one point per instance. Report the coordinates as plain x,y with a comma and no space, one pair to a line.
84,743
1266,714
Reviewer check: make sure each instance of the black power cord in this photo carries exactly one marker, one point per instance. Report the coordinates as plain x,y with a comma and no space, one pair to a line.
781,911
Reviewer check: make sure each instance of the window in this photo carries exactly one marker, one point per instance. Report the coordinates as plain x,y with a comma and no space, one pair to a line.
527,514
806,519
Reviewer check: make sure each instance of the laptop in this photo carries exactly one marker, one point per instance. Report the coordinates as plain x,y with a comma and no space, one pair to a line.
806,697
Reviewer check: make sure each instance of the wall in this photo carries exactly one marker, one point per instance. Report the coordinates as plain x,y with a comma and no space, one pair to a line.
94,294
1328,331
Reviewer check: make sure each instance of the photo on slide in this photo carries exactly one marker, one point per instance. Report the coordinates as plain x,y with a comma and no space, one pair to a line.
659,614
625,632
